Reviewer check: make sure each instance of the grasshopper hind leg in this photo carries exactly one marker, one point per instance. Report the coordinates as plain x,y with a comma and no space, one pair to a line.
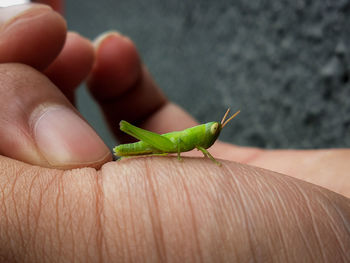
144,155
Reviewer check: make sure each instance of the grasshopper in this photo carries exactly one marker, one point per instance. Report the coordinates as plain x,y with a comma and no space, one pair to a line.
200,137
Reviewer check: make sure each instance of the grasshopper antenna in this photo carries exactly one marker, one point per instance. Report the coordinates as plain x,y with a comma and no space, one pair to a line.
223,119
223,122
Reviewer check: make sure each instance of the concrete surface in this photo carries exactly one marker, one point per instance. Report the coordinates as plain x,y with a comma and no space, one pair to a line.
285,64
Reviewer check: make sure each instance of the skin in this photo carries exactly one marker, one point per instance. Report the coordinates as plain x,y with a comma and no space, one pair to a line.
145,209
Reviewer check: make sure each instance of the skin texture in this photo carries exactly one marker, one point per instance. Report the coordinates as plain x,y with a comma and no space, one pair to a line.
87,209
236,212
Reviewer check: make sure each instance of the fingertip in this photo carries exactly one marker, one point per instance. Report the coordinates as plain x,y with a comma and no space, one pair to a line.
34,36
100,38
117,66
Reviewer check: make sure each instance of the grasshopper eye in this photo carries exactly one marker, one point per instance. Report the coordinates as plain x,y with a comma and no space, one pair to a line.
214,128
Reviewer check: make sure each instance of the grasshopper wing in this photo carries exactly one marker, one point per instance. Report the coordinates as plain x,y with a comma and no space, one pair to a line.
154,139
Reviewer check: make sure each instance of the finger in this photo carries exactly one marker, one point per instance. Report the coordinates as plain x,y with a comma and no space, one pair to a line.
31,34
125,90
72,65
38,125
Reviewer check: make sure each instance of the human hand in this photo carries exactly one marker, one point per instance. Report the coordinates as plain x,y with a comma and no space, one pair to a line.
191,210
38,124
117,71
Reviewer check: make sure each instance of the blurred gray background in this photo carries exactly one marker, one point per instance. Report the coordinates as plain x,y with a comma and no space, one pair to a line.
285,64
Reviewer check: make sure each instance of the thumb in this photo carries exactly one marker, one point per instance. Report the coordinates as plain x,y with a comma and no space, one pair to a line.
38,125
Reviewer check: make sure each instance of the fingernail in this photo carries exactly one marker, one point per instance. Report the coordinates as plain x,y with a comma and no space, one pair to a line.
99,39
17,14
64,139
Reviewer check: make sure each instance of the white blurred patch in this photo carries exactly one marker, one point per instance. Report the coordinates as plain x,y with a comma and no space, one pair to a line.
4,3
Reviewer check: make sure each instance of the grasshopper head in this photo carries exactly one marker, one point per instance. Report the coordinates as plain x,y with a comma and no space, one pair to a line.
212,132
214,128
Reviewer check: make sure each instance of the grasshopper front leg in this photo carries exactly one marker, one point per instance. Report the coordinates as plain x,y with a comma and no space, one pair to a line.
179,150
207,154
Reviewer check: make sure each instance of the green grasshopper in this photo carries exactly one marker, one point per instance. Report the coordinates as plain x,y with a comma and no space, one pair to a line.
201,137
